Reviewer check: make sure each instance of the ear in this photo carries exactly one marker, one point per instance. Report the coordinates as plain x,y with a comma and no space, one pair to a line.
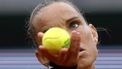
43,60
94,33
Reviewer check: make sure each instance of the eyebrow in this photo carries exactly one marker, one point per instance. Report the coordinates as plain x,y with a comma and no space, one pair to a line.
73,18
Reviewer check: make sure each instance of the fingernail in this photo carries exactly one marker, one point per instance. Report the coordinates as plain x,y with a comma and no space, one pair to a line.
40,33
75,32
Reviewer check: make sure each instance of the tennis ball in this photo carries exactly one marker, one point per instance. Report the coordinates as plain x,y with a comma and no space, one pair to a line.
56,38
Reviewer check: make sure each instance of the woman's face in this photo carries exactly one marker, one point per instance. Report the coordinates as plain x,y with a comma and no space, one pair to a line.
65,16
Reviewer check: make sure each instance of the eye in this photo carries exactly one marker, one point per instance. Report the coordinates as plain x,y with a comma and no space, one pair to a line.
74,25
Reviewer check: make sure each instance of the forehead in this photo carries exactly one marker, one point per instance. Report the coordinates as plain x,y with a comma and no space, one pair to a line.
55,13
58,9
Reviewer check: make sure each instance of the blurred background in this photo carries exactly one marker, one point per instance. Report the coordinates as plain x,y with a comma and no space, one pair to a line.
107,14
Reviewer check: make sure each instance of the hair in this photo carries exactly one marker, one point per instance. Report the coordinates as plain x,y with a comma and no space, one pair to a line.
30,28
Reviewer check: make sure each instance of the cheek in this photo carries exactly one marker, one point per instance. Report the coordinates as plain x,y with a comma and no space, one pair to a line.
86,36
92,47
88,40
89,37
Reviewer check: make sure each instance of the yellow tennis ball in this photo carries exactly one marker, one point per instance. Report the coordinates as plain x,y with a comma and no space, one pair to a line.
55,39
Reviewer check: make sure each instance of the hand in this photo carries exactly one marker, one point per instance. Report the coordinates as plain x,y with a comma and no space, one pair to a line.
67,56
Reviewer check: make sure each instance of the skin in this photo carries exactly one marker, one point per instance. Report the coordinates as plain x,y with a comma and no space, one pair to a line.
83,50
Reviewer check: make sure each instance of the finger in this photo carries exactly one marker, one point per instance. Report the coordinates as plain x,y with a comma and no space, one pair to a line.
40,34
38,55
62,54
49,56
39,37
75,44
42,59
